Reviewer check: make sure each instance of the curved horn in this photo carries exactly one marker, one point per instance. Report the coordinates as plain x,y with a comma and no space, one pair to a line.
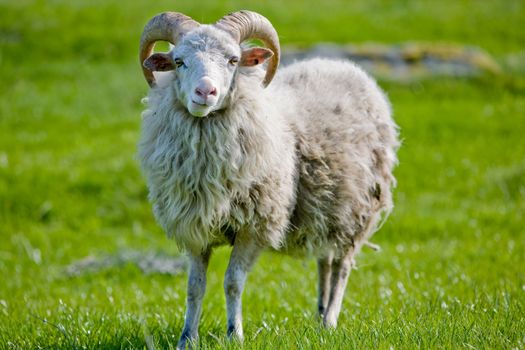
167,26
243,25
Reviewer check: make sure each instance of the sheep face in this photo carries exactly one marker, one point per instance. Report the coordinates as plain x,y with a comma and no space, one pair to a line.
205,63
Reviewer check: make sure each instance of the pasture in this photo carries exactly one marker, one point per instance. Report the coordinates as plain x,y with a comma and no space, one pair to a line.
451,273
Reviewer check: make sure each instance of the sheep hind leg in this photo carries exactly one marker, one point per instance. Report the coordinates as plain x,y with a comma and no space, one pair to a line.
244,253
341,268
196,289
324,269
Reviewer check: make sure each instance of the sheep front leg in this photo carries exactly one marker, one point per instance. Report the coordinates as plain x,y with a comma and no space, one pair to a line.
324,268
245,252
196,289
341,268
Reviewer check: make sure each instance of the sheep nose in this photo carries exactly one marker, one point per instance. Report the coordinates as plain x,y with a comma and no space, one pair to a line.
205,88
205,92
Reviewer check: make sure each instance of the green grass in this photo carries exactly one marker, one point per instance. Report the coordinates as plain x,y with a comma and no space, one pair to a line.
451,273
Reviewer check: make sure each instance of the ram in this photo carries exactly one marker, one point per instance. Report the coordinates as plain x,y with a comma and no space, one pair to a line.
301,165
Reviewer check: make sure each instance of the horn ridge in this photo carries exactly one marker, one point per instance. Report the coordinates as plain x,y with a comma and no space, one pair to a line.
243,25
166,26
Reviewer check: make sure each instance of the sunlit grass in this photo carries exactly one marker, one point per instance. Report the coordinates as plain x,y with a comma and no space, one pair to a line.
451,271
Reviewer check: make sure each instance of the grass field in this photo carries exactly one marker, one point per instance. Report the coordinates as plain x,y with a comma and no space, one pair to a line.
451,273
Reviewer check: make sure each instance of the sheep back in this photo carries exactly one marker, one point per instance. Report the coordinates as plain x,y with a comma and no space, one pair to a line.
346,143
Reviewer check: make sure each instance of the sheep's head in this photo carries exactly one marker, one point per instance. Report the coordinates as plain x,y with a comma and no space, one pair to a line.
205,58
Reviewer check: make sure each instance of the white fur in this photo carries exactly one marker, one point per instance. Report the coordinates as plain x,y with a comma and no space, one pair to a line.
302,166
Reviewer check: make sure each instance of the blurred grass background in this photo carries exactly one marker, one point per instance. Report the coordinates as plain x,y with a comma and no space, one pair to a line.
451,273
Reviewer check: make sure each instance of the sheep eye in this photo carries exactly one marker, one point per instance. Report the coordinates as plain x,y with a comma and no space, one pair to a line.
233,61
178,62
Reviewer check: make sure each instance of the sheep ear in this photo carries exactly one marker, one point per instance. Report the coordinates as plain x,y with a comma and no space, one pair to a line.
255,56
159,62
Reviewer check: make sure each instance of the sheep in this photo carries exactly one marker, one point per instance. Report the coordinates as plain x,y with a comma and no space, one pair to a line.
302,165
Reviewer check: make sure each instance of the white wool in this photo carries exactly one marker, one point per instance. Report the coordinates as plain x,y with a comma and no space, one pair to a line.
305,164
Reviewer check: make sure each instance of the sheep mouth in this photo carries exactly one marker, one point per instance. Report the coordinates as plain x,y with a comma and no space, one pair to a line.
199,109
200,104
